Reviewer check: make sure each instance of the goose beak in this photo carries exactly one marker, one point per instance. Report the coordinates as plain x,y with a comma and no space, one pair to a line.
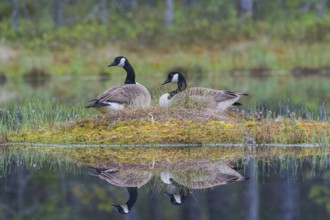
168,195
112,64
166,81
116,207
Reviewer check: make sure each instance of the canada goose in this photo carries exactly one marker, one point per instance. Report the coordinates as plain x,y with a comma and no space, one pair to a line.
117,97
211,98
126,208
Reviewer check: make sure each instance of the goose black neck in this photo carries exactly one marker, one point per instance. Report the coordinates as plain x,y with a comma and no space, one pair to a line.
133,194
173,93
182,84
130,77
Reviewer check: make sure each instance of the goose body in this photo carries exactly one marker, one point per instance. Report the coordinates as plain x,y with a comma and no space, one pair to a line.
203,97
129,94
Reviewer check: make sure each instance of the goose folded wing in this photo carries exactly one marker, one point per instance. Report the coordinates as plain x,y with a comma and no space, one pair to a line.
218,95
222,96
123,94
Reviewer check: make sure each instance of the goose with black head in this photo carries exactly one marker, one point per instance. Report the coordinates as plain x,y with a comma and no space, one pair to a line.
206,97
130,94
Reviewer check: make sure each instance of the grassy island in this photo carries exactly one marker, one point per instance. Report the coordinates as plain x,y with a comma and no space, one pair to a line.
176,126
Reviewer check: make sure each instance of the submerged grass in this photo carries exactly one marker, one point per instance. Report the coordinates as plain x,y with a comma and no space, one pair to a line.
175,125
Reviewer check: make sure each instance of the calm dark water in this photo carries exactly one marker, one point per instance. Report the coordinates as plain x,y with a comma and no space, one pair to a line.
279,188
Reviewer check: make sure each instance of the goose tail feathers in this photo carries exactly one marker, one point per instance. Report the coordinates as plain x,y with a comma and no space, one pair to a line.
237,104
98,104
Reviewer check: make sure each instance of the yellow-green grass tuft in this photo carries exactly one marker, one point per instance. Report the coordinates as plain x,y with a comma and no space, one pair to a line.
175,126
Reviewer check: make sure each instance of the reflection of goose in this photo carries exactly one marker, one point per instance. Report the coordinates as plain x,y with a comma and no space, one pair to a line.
126,208
203,175
180,197
181,178
131,179
198,175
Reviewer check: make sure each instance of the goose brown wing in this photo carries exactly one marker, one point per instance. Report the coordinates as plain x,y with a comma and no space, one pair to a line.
219,95
126,178
123,94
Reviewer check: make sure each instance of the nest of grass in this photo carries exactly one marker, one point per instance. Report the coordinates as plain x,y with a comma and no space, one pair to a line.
163,114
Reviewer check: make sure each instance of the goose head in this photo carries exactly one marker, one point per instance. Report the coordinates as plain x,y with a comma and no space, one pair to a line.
122,209
126,208
120,61
176,77
175,199
180,197
173,77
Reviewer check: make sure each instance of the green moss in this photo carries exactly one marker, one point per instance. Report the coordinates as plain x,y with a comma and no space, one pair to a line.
137,129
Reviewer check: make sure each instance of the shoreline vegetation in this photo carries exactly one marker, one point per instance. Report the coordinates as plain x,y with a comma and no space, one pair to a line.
207,36
175,126
251,58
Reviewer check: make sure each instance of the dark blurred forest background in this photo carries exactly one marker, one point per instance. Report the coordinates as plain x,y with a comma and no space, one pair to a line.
152,22
232,35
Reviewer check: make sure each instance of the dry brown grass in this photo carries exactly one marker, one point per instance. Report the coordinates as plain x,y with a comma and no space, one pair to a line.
162,114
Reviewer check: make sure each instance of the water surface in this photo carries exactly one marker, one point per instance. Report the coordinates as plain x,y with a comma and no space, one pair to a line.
40,186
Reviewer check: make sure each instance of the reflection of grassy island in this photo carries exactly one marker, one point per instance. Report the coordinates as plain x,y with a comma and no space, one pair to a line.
170,126
152,158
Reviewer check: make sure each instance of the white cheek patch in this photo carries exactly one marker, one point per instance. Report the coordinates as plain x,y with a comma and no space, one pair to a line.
166,176
177,198
125,208
122,62
175,78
